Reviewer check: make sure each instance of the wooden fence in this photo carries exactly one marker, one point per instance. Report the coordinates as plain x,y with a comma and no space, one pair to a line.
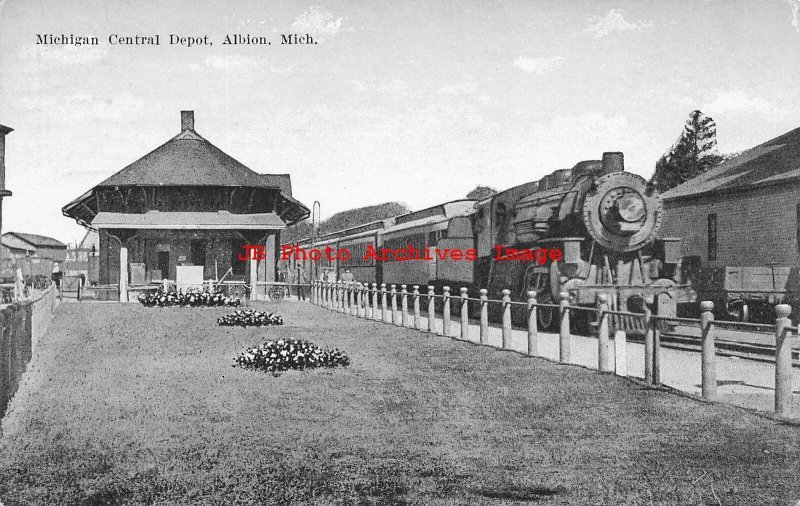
381,304
21,326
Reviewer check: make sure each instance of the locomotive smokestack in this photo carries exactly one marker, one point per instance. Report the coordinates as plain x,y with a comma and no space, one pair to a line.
613,162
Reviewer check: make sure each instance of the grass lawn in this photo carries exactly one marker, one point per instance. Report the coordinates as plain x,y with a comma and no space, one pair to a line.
130,405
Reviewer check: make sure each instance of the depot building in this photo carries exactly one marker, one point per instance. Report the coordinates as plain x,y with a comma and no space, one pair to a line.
186,210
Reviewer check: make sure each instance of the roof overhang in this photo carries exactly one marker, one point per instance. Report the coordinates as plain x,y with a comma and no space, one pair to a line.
156,220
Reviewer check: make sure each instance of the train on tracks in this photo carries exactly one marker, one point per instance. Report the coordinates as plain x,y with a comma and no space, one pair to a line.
603,220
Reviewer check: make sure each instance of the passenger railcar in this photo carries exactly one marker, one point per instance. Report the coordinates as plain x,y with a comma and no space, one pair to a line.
603,221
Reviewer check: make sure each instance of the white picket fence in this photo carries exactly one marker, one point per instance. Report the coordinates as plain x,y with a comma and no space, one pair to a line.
391,306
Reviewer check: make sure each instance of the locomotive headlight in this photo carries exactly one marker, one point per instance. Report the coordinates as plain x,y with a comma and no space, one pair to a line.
630,207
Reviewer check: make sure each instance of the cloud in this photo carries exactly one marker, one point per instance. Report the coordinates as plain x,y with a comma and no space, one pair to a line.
465,88
240,63
736,101
795,13
614,22
40,57
539,66
228,62
318,21
372,85
82,106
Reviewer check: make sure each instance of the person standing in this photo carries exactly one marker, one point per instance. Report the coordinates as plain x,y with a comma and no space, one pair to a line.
57,275
300,279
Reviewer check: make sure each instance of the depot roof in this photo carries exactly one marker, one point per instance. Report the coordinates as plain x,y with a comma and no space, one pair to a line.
774,162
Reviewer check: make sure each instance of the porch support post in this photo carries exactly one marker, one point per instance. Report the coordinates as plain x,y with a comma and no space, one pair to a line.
123,271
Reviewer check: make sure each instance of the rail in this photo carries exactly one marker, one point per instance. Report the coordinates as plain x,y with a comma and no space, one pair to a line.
390,304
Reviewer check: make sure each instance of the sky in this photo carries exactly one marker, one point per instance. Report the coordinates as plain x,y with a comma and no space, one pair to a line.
409,101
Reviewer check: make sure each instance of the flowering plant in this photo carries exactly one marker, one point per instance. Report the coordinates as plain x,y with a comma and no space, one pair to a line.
284,354
191,297
250,318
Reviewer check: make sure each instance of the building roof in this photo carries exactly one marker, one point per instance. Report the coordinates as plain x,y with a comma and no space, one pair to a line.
774,162
185,220
189,160
5,130
14,243
35,240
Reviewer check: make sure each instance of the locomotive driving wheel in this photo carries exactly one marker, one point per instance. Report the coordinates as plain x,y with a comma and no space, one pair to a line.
539,282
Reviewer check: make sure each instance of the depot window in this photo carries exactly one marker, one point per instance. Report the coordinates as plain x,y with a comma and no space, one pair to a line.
712,237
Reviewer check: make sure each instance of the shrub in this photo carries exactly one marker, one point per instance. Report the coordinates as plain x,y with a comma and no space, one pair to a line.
284,354
191,297
250,318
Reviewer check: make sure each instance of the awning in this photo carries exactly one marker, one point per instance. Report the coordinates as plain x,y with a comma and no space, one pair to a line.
156,220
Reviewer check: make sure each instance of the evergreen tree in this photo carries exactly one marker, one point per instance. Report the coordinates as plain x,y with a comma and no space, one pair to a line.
481,192
694,153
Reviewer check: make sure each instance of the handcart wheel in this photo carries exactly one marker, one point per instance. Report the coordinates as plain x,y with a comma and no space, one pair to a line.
277,293
237,291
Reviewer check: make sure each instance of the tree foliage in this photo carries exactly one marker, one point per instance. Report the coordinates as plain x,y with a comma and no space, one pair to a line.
481,192
694,153
344,220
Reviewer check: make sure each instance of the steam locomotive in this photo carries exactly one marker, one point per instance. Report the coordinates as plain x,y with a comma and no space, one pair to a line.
603,220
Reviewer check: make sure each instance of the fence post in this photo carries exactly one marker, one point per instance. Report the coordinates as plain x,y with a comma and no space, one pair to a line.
384,313
484,337
620,353
648,346
350,298
446,311
404,306
464,314
374,296
394,306
709,352
416,308
431,310
363,289
342,297
334,295
656,353
603,338
506,319
564,354
783,361
533,330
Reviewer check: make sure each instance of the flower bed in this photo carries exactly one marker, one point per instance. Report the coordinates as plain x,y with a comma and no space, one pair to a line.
250,318
194,298
284,354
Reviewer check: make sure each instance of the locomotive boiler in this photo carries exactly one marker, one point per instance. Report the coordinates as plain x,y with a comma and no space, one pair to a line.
603,219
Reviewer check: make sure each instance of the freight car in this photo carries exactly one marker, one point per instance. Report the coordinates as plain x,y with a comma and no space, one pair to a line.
603,220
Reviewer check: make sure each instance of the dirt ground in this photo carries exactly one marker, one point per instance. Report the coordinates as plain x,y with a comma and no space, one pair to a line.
131,405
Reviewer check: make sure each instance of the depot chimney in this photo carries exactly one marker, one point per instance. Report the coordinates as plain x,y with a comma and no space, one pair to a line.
187,120
613,162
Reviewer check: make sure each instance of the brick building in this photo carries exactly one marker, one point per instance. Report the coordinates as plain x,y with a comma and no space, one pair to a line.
745,211
186,204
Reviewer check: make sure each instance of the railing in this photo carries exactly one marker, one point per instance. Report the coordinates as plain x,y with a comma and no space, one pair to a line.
21,326
381,304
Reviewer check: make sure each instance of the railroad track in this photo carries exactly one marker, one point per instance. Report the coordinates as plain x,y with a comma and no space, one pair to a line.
725,347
